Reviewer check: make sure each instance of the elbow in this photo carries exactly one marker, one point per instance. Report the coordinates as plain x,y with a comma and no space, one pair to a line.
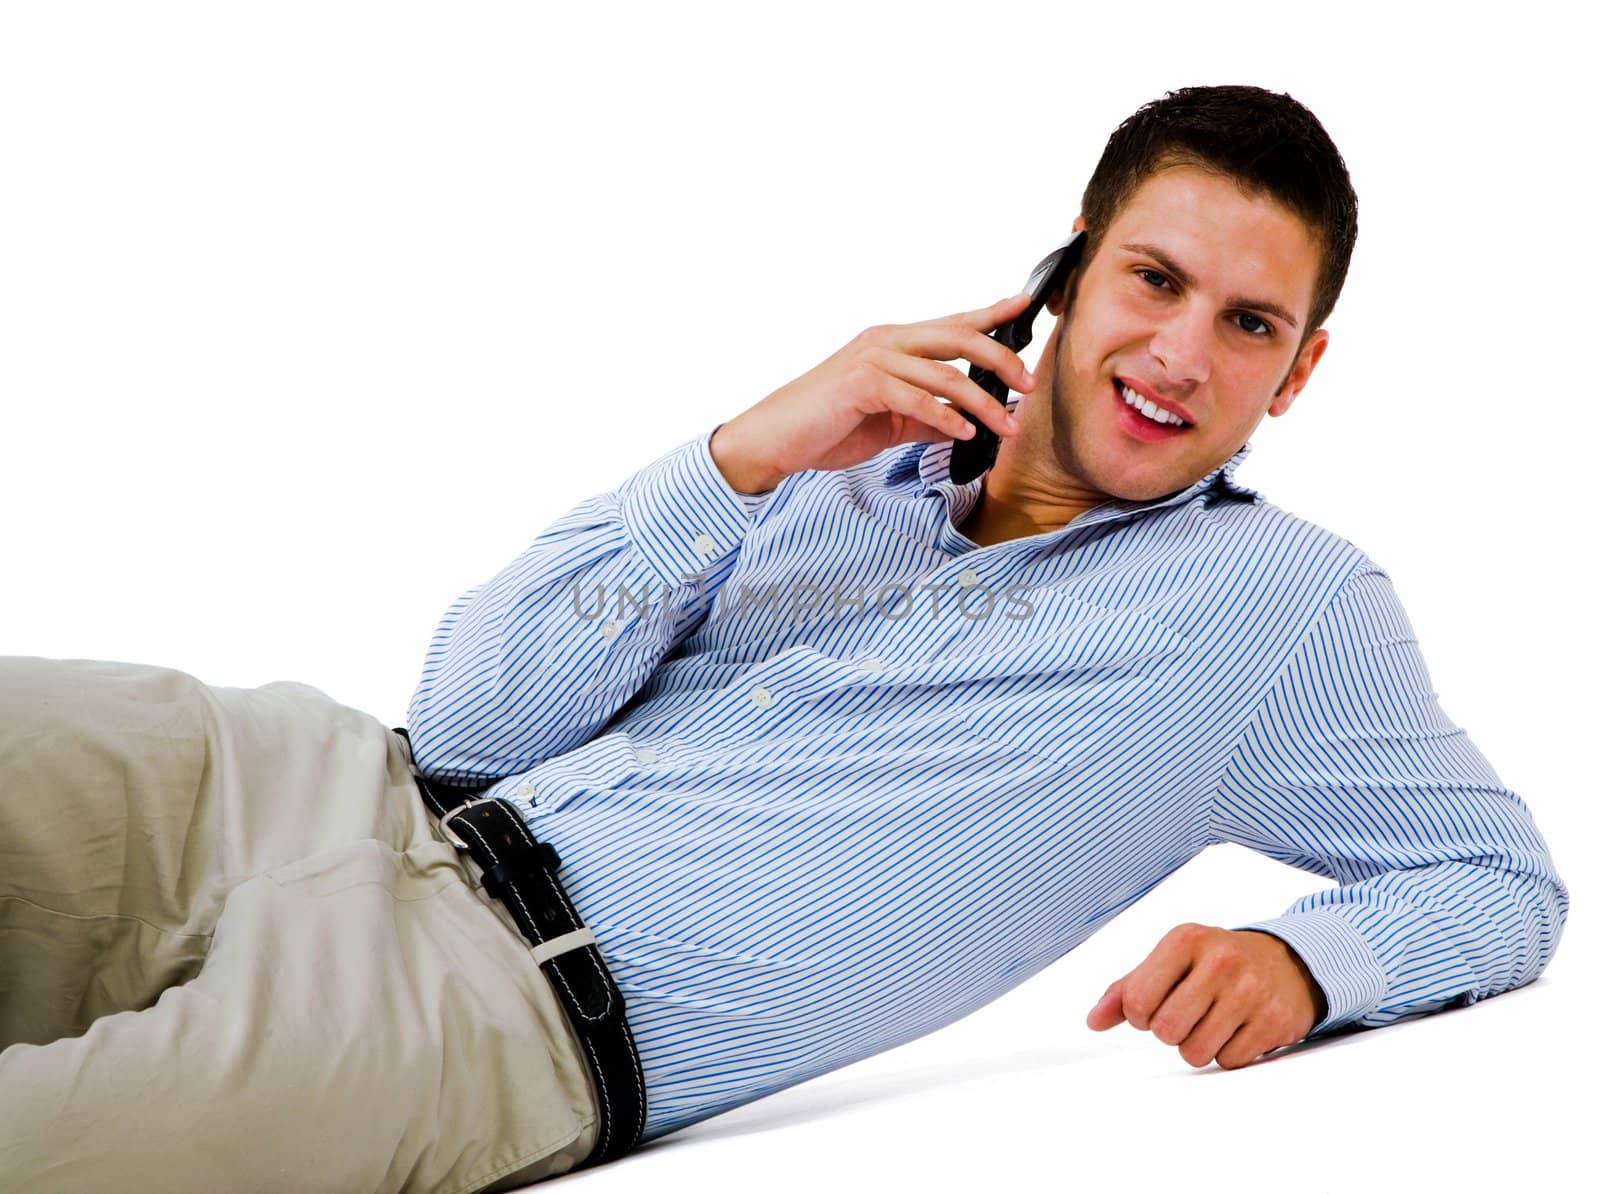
1553,906
1542,900
428,724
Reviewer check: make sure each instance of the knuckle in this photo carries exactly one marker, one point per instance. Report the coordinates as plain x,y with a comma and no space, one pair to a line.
1224,965
874,355
860,377
1279,1017
1136,1005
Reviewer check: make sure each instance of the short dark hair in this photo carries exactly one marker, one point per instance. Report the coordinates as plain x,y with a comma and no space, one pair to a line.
1265,142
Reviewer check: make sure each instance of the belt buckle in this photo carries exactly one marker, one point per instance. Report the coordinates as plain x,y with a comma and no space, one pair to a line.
450,834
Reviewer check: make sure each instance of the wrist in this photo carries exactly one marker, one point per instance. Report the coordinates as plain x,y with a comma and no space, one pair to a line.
1319,1001
743,473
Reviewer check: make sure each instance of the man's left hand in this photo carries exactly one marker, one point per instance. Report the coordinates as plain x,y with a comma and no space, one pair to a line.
1226,994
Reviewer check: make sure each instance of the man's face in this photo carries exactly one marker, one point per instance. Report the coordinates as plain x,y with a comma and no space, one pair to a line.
1181,317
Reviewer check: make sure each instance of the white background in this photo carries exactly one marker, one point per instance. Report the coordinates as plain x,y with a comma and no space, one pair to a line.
314,315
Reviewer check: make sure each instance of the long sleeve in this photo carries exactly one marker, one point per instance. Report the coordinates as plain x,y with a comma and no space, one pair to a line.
536,660
1350,769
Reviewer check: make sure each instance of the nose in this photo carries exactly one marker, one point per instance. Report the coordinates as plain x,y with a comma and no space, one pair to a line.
1183,346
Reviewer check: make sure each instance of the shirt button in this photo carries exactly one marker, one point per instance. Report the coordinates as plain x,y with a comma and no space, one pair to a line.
968,578
525,788
644,755
871,664
704,545
609,629
761,696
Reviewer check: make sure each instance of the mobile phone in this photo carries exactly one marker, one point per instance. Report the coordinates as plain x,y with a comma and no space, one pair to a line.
971,457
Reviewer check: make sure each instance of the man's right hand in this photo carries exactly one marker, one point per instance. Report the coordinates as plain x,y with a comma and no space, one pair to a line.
875,392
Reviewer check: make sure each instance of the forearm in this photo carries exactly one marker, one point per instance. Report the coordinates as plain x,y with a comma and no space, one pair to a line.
1414,941
537,659
1350,768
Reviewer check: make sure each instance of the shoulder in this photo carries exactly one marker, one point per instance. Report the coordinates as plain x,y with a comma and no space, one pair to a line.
1281,557
1262,521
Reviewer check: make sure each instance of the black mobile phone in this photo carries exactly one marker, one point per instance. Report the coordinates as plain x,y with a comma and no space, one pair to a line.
971,457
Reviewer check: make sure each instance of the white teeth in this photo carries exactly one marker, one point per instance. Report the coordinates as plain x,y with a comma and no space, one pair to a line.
1147,408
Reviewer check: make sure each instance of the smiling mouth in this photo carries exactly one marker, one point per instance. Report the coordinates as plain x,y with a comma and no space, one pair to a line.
1135,422
1156,414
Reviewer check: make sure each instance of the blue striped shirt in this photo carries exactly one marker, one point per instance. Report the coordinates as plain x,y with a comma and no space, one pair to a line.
825,775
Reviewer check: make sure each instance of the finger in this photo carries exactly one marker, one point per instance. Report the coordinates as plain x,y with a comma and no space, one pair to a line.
992,316
1180,1012
937,377
947,341
1248,1044
1108,1012
1221,1021
922,411
1262,1029
1149,984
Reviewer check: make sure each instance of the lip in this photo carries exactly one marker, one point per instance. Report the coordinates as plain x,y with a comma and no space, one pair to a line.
1140,428
1144,391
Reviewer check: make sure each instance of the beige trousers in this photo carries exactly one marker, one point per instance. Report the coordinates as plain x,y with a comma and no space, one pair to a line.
236,955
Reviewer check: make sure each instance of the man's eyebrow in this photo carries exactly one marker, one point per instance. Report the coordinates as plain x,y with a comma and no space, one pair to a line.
1185,279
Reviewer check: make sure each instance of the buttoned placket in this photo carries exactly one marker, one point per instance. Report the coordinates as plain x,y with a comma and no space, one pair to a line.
705,547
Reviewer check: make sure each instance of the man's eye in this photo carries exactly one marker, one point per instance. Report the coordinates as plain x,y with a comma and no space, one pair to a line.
1263,332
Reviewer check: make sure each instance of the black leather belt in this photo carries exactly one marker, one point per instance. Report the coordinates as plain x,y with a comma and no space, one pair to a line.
520,872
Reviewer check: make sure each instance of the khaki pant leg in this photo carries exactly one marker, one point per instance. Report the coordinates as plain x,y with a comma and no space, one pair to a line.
277,974
133,798
362,1022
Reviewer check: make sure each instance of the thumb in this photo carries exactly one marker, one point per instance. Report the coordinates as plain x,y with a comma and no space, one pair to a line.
1108,1012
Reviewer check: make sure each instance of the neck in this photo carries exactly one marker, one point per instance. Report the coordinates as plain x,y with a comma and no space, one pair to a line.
1020,496
1009,507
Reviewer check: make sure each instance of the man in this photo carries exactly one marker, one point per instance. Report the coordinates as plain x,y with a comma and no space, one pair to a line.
832,750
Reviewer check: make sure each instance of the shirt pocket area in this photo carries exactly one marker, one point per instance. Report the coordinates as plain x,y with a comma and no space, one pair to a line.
1083,676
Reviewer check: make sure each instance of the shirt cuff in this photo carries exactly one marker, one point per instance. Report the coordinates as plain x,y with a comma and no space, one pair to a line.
683,515
1339,958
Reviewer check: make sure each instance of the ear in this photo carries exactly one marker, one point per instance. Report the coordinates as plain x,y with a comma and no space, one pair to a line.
1056,300
1301,373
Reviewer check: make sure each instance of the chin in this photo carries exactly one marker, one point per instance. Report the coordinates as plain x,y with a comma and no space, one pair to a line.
1116,478
1150,489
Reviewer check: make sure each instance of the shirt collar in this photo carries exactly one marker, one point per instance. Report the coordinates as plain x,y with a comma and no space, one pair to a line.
933,468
